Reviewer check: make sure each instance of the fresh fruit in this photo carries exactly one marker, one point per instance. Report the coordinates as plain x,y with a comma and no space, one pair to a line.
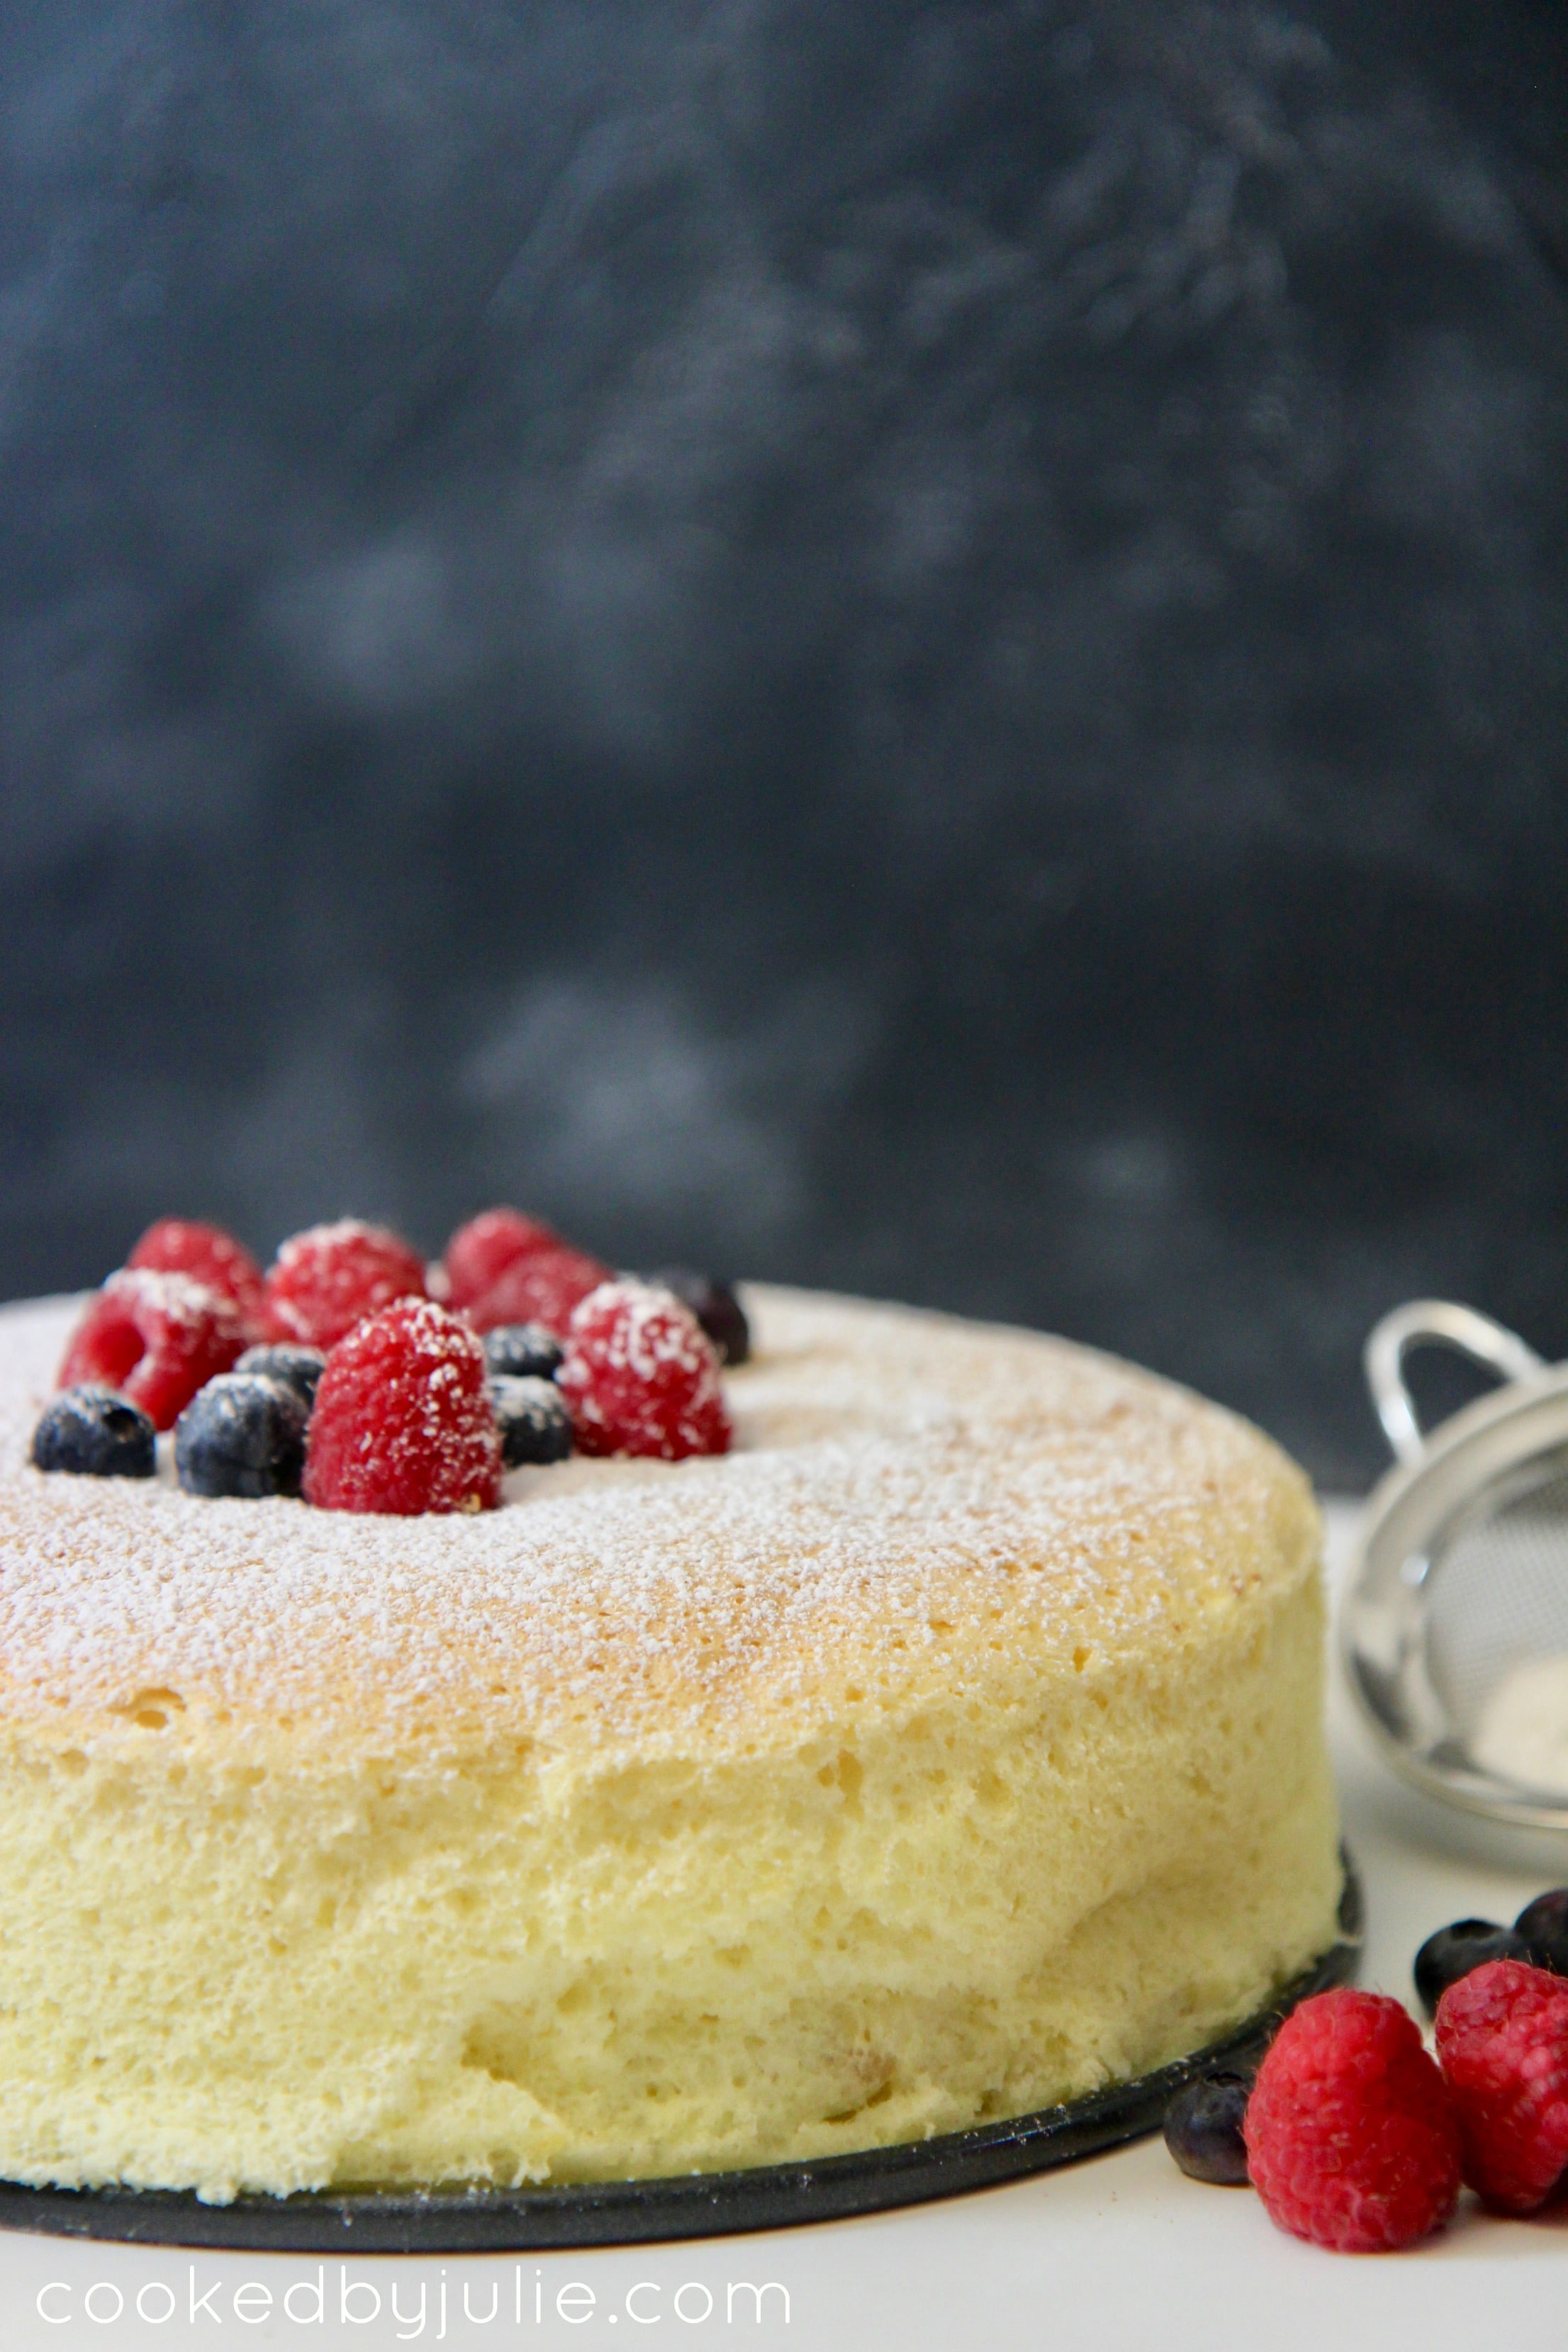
244,1433
479,1253
181,1245
641,1376
1502,2043
300,1366
1203,2129
1543,1926
157,1337
716,1308
402,1419
1458,1948
545,1287
95,1433
1352,2138
533,1419
329,1278
526,1351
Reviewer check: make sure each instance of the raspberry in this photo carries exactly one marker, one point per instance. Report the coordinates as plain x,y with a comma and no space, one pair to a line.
156,1338
641,1376
543,1287
403,1420
178,1245
481,1251
1351,2139
1502,2043
324,1281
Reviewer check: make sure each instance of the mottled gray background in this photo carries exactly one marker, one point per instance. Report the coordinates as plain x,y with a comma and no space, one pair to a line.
916,647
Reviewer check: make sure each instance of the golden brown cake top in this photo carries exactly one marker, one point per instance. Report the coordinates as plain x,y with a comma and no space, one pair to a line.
915,1504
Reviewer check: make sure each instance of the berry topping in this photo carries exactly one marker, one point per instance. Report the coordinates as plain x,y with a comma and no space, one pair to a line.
545,1287
302,1367
403,1420
525,1350
324,1281
1203,2129
244,1433
156,1337
1543,1926
1502,2043
641,1376
97,1433
177,1245
479,1253
1455,1950
1351,2140
532,1416
716,1308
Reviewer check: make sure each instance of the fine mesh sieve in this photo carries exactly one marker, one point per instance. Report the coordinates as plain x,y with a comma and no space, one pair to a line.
1455,1627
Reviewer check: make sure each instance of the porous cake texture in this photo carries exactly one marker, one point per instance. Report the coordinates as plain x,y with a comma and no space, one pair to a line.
950,1748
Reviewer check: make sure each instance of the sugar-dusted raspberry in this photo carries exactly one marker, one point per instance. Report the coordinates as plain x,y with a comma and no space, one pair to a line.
329,1278
641,1376
1502,2043
156,1338
544,1288
181,1245
1351,2139
479,1253
403,1420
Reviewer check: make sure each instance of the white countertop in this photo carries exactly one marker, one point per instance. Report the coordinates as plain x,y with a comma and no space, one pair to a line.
1104,2256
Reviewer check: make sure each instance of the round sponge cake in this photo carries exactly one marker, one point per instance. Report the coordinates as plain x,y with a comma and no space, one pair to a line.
950,1748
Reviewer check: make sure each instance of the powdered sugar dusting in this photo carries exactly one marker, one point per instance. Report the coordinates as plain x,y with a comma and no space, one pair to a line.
913,1503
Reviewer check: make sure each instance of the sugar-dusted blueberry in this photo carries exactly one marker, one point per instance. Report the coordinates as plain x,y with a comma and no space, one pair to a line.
97,1433
532,1416
1458,1948
244,1433
1203,2129
716,1308
524,1351
302,1367
1543,1924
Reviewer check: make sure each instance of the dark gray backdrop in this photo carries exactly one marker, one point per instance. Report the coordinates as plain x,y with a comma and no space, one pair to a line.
917,646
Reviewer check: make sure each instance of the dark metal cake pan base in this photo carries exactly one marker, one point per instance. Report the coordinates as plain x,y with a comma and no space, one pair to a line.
689,2205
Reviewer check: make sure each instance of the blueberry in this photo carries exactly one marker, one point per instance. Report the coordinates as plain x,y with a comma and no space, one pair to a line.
716,1308
525,1351
97,1433
1458,1948
534,1423
300,1367
244,1433
1203,2129
1543,1924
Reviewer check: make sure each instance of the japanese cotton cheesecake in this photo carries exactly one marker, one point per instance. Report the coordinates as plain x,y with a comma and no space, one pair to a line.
950,1747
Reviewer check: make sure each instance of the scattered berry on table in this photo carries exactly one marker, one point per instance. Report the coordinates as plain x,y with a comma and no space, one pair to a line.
402,1419
641,1376
327,1279
532,1418
546,1287
1352,2138
479,1253
244,1433
526,1351
716,1308
1502,2043
281,1359
181,1245
95,1433
1458,1948
1203,2129
1543,1926
157,1337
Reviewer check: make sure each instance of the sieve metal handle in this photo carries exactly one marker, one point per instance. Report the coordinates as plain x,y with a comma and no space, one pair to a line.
1435,1322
